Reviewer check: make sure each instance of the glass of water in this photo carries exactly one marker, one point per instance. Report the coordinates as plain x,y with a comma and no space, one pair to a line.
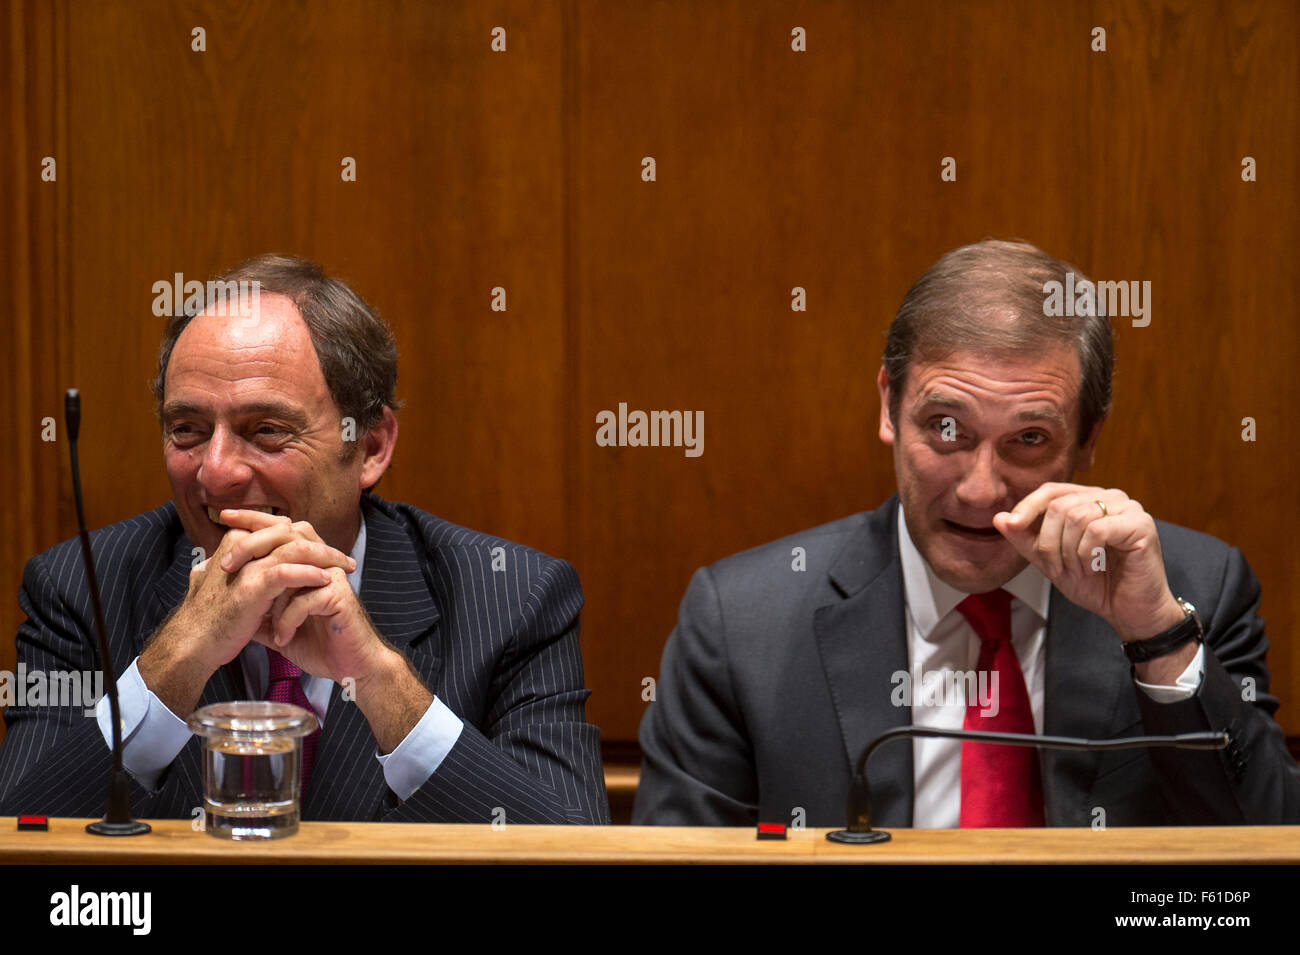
252,767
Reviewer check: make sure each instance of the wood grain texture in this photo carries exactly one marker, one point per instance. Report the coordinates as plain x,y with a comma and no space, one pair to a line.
821,170
324,843
775,169
34,277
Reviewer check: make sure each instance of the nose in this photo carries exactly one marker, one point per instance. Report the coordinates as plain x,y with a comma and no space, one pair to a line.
982,487
224,465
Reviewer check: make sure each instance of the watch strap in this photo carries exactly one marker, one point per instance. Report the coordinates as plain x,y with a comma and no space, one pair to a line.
1189,628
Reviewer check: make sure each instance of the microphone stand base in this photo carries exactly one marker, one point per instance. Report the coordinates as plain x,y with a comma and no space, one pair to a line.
130,828
858,838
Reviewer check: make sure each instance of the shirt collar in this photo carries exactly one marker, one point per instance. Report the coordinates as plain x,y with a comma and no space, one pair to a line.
930,600
359,555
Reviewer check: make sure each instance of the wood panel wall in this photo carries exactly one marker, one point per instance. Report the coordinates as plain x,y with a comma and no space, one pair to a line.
774,169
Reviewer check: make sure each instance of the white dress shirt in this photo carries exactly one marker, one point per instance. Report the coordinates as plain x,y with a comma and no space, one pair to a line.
939,639
152,735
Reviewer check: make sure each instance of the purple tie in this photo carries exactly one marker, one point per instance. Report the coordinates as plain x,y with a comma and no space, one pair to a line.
285,686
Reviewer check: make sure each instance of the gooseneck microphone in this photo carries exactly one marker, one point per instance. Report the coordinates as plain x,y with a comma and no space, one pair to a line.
859,829
117,819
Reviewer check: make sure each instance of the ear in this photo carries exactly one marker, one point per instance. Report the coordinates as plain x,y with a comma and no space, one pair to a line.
887,434
1088,450
377,446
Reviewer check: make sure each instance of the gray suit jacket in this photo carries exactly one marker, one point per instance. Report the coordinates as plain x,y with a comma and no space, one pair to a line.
775,679
499,647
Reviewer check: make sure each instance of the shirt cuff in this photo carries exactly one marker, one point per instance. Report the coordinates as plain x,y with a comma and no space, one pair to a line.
152,735
418,756
1185,687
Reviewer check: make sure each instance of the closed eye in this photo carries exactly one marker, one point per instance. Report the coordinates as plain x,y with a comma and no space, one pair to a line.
181,431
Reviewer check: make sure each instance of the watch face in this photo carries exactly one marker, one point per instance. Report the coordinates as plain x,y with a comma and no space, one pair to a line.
1190,610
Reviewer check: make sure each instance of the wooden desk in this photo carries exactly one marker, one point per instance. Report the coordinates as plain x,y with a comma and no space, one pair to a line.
174,841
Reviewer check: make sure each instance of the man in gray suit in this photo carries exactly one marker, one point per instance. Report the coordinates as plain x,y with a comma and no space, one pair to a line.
787,659
443,663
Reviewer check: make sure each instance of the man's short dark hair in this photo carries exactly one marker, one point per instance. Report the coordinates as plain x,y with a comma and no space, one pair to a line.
988,297
356,349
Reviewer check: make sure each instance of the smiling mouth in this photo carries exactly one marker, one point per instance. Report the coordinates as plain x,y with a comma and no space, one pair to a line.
214,513
973,533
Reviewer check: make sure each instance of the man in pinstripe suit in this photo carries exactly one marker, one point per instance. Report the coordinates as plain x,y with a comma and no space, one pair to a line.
444,663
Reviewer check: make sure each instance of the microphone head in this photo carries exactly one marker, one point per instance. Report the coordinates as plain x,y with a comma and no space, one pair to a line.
72,412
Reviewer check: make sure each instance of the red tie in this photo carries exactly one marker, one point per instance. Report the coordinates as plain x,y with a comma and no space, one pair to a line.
285,686
1000,785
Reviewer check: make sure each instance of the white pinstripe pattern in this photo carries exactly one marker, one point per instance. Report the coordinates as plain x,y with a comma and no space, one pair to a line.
499,648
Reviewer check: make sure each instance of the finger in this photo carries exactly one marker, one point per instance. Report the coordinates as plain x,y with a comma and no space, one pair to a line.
1094,538
1120,532
300,542
277,606
321,601
250,520
1032,529
282,525
229,539
263,541
243,524
1051,543
1021,538
212,561
266,638
291,552
1113,534
263,633
1081,514
268,581
1036,503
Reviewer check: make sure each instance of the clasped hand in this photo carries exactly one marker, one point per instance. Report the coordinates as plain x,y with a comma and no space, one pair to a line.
276,582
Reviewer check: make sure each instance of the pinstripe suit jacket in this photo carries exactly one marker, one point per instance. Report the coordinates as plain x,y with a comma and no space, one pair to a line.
499,648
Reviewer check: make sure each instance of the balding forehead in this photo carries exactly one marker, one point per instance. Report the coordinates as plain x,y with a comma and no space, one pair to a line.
278,347
276,321
270,304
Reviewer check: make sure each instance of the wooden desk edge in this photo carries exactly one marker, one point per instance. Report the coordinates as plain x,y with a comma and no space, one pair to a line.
173,842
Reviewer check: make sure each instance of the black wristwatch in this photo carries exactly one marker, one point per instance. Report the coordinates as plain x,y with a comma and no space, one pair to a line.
1189,628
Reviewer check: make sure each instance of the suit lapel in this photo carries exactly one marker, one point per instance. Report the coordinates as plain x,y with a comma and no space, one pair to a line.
1086,671
398,599
175,581
861,638
169,591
